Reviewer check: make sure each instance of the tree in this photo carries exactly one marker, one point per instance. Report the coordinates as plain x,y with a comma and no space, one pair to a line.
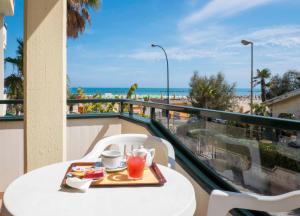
260,109
131,90
211,92
274,87
14,82
291,80
260,79
78,15
14,85
279,85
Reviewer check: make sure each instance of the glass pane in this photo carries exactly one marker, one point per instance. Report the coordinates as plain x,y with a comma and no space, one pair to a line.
89,108
252,158
10,110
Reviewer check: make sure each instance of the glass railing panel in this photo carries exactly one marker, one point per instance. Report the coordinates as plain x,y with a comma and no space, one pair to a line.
11,108
93,107
161,116
263,160
139,110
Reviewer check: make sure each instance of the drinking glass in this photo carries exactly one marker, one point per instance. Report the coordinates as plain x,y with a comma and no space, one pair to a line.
136,160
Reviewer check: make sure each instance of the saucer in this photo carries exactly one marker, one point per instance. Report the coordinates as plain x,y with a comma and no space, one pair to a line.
122,167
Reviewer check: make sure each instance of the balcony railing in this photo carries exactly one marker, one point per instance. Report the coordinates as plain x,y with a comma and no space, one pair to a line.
223,150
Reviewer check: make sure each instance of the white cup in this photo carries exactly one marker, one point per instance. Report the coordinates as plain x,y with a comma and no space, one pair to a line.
111,159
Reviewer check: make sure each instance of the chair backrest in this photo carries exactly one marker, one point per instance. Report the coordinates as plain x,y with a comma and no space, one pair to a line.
164,153
221,202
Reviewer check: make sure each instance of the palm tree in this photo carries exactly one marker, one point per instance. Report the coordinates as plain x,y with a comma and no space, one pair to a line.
207,92
78,14
260,79
17,62
14,86
14,82
131,90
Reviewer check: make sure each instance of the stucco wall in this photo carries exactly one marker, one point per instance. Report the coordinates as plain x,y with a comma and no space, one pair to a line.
291,105
11,152
45,82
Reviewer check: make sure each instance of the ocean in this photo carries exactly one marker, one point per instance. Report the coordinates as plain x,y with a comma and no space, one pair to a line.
153,92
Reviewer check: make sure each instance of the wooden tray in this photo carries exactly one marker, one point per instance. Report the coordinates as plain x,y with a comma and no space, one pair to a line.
152,177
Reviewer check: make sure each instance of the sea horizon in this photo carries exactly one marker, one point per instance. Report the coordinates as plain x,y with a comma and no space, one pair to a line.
152,92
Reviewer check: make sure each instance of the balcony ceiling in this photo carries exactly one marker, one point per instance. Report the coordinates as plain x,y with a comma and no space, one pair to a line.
7,7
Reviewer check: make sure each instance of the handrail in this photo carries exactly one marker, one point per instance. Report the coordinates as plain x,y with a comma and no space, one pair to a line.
12,101
231,116
209,113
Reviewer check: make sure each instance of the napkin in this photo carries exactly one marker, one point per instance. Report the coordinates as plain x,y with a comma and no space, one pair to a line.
81,184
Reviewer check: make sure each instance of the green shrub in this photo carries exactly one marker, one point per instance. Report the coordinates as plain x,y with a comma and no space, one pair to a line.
271,158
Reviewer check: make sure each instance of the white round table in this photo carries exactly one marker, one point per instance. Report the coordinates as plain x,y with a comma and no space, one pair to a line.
39,193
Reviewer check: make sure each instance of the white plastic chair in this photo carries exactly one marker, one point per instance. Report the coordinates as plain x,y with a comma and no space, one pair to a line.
221,202
164,150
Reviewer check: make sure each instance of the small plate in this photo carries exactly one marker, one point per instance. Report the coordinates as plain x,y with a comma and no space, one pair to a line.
122,167
82,168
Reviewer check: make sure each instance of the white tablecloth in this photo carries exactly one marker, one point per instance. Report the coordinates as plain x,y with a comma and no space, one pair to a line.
39,193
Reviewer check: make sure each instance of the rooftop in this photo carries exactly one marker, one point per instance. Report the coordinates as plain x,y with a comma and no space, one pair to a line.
282,98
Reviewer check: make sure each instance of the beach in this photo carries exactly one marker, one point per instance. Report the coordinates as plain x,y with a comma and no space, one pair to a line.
178,96
151,92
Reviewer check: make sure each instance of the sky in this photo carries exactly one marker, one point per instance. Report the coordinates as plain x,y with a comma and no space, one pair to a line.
198,35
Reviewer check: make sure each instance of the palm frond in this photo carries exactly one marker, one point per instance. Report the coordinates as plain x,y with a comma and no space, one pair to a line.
78,14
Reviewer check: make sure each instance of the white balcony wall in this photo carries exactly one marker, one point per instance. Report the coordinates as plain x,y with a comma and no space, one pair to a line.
11,151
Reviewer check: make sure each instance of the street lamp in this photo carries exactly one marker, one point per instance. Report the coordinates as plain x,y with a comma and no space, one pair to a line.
168,81
246,43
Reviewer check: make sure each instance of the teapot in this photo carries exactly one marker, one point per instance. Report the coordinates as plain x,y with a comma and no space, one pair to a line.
149,153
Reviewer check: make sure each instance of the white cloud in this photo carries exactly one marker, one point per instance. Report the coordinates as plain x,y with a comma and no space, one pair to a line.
220,8
143,55
222,44
179,53
202,35
220,37
175,53
206,35
287,36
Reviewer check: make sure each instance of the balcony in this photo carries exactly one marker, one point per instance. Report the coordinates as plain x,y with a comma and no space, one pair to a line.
214,149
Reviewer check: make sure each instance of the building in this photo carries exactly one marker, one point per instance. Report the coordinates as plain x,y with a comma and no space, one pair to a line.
286,103
6,9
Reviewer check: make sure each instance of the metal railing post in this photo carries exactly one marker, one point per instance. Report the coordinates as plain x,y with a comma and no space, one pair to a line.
168,118
130,109
121,110
152,113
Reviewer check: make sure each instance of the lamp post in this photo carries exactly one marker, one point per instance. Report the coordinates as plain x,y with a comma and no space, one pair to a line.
168,81
246,43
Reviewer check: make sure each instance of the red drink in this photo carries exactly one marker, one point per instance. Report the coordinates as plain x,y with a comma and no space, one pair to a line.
135,167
